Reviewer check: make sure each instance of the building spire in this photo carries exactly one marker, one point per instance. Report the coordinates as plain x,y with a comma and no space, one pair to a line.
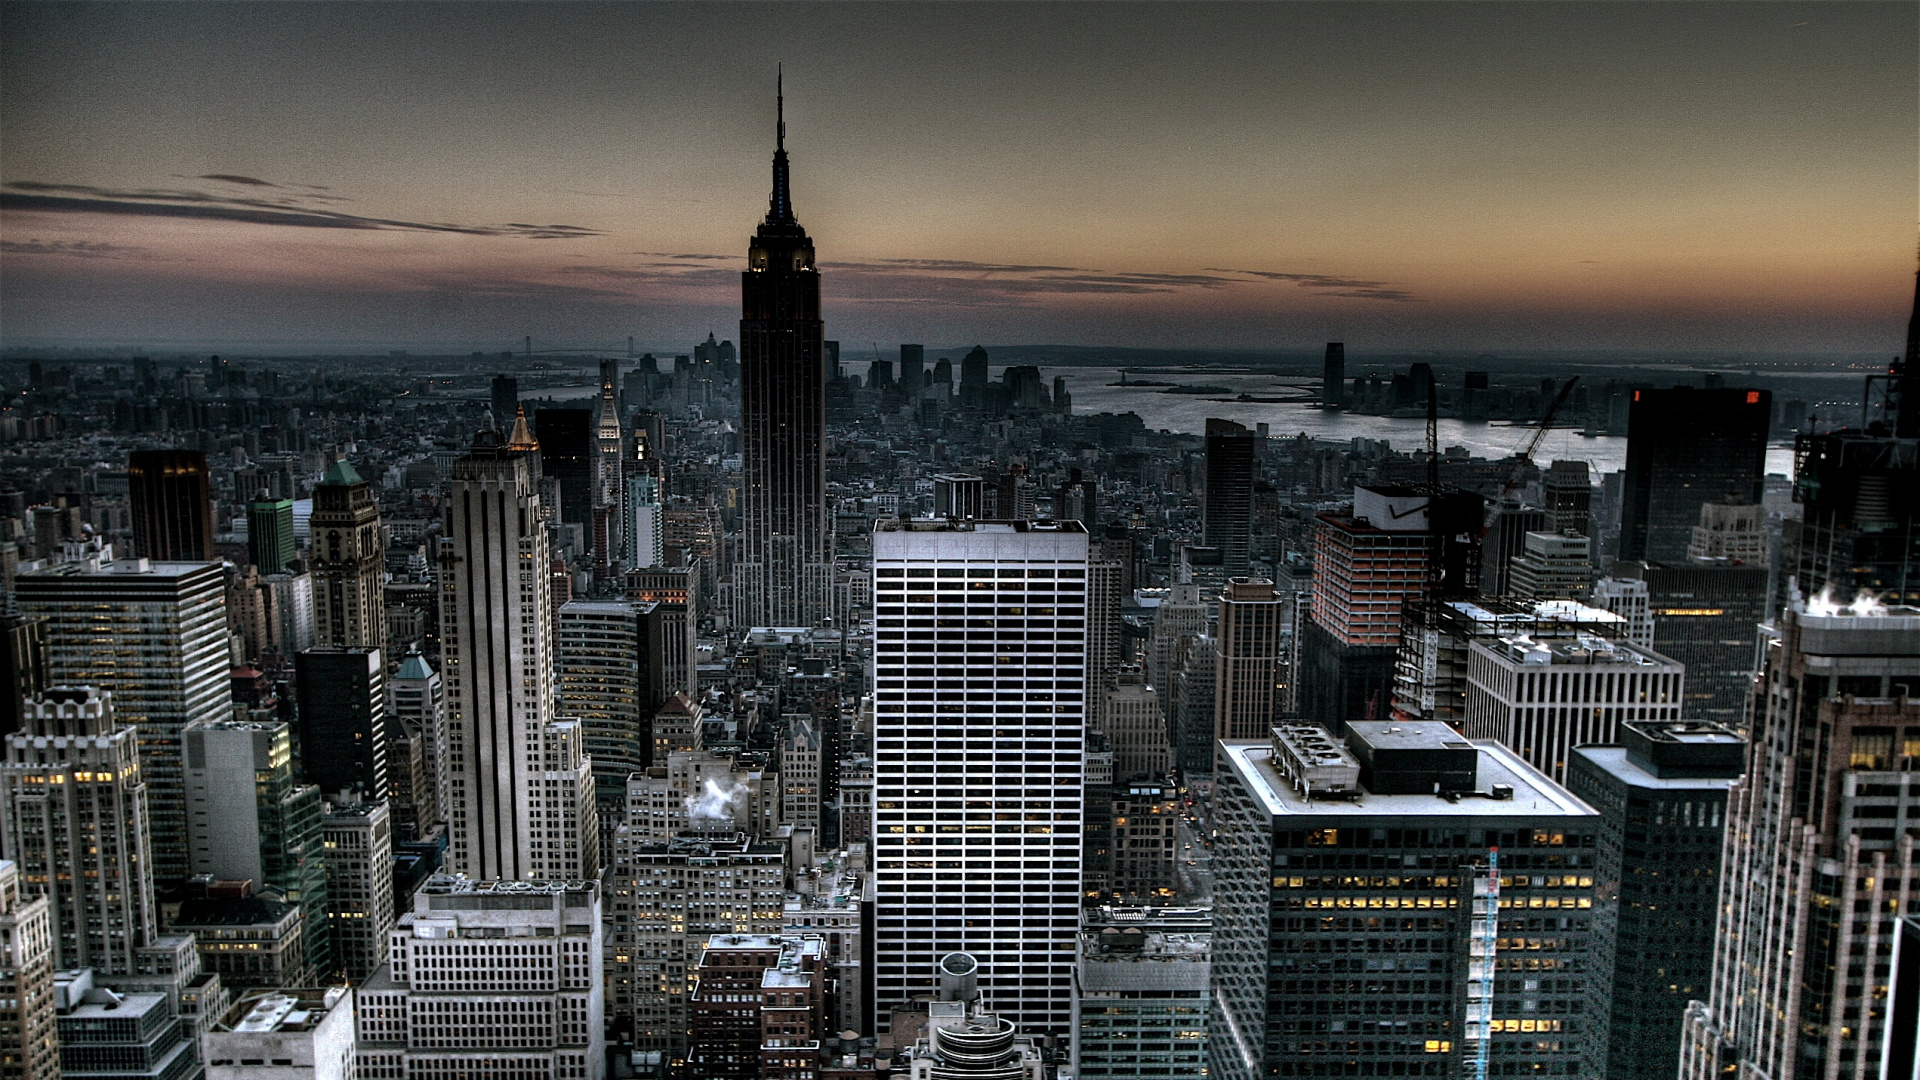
780,207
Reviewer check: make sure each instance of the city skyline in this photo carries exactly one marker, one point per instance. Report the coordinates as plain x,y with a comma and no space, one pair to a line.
1447,176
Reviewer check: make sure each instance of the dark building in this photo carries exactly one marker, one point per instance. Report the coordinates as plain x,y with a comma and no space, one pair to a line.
506,400
1229,505
1333,376
1662,797
24,659
1686,447
567,456
1901,1058
973,379
270,534
171,500
1078,499
1860,494
1705,616
784,576
343,721
913,367
1344,885
1505,540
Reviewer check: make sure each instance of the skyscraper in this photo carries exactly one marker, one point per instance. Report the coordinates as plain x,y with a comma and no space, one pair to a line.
1819,851
567,454
29,1040
270,534
154,635
1229,505
417,704
609,489
973,379
990,847
359,845
82,842
348,558
785,573
520,788
506,400
171,499
1662,797
343,721
611,677
1301,819
1333,376
1543,697
1686,447
1247,672
913,369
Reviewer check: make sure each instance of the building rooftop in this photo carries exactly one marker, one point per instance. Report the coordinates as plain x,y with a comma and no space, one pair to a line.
457,885
1585,650
1533,793
1614,761
941,525
260,1011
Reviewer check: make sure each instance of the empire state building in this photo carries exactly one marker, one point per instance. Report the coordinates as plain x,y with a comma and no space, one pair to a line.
784,576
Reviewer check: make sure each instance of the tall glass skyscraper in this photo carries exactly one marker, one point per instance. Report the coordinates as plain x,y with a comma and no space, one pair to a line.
785,573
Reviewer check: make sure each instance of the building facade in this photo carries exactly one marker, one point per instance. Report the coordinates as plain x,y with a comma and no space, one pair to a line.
994,615
348,559
1543,697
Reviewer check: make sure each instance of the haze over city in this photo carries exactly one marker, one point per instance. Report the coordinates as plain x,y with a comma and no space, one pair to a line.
1716,177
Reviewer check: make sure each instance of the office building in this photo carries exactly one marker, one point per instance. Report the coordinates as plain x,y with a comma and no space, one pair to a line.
1730,532
1816,859
784,576
1543,697
1141,993
665,899
1021,692
24,661
347,558
1662,796
505,400
1706,615
610,678
1301,821
1629,599
154,635
1247,672
247,940
1507,528
1430,675
833,901
758,1008
170,966
798,747
1231,463
1685,448
73,819
1568,494
483,977
306,1034
1333,376
1136,729
29,1039
958,495
520,788
1078,499
1145,835
567,455
252,820
270,535
1859,496
358,840
344,731
289,600
417,706
674,592
645,522
1551,566
109,1034
171,499
913,364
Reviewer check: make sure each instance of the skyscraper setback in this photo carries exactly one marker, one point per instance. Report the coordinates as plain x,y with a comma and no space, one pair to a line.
785,573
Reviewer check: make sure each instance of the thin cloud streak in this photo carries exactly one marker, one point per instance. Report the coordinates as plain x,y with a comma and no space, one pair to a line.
1329,285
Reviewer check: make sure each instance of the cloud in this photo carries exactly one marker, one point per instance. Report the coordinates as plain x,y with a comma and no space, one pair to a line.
950,281
1328,285
697,276
292,211
79,249
232,179
671,255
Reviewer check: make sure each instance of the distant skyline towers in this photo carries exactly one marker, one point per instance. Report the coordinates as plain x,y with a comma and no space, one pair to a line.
973,378
1333,376
1686,447
155,636
1009,893
348,561
1231,463
913,367
170,497
784,576
506,400
496,633
73,816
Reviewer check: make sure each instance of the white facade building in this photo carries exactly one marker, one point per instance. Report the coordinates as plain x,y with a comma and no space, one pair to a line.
1542,698
304,1034
520,785
979,744
489,980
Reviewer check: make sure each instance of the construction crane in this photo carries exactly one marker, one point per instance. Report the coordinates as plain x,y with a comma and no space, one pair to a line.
1523,457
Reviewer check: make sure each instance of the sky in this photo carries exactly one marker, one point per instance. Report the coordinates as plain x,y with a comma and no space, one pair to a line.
1707,177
